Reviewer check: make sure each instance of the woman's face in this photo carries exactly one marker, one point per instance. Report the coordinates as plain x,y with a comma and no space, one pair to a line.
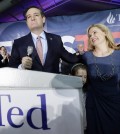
83,74
96,36
3,51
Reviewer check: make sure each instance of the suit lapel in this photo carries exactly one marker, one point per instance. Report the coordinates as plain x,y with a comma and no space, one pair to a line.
49,43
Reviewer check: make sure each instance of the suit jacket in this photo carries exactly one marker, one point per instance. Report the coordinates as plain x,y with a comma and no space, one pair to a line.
55,52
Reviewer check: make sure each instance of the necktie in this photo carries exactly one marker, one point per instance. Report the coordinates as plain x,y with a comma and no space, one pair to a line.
39,49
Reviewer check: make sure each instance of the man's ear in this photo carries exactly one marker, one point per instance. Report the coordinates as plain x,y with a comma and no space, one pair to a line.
44,19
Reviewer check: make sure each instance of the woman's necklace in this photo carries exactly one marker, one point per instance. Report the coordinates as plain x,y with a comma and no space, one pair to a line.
105,76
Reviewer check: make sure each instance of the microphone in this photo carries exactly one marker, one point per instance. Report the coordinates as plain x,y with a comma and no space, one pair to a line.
29,51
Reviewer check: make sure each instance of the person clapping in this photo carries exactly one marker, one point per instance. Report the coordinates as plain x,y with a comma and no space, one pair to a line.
4,57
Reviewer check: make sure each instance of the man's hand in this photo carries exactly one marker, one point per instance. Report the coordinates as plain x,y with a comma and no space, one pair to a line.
26,62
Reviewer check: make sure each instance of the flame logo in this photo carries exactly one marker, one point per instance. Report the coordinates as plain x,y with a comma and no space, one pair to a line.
111,19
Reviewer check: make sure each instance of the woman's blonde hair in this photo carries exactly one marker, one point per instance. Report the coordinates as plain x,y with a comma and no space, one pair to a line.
109,37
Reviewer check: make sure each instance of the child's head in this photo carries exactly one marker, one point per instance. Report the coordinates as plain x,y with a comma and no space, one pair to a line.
80,71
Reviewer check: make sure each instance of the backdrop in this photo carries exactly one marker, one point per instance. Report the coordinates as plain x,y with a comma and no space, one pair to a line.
72,29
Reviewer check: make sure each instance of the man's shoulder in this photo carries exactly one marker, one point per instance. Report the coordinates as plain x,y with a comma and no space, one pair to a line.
23,37
52,35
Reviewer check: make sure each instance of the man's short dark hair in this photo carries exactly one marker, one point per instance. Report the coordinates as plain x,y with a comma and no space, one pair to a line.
41,11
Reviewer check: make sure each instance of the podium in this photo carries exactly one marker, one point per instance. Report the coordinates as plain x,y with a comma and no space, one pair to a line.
33,102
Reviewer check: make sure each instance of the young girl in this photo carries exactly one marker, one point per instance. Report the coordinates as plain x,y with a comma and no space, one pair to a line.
80,70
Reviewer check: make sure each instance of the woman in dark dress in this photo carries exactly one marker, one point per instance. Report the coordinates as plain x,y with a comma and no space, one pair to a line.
103,96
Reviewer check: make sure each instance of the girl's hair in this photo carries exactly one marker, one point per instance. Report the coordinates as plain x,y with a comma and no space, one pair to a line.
76,67
109,37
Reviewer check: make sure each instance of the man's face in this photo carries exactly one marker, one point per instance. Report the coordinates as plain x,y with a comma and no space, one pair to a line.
81,47
34,19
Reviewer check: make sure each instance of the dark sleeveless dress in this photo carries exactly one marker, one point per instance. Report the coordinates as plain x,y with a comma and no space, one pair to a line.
103,96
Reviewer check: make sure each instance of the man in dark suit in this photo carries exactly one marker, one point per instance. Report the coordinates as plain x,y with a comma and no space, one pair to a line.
52,46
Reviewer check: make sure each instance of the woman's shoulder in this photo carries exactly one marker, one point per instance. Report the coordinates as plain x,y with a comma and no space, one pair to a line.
116,52
87,53
87,56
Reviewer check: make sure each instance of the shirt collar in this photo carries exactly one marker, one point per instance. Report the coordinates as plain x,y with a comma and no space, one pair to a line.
42,35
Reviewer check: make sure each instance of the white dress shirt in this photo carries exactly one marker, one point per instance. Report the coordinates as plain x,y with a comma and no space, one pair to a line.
44,43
